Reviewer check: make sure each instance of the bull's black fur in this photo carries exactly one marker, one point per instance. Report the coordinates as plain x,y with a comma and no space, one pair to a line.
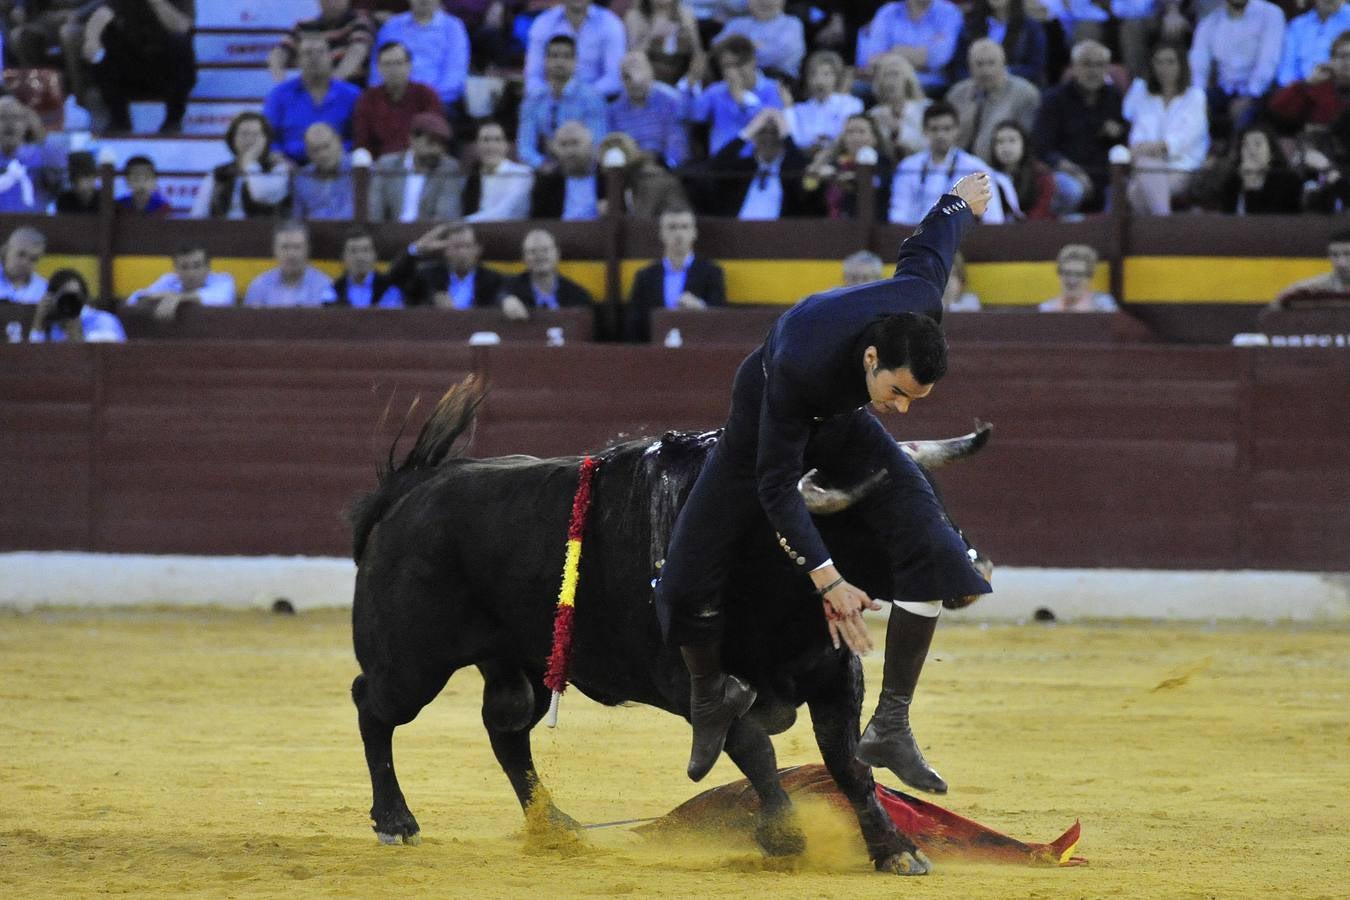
459,563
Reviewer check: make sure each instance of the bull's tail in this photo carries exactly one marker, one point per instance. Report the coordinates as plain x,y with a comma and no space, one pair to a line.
442,438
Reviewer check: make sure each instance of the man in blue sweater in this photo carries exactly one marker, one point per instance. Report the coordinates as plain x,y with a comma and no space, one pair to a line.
824,363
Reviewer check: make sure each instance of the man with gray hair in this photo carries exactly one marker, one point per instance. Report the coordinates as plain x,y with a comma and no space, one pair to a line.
294,282
1080,120
19,282
571,191
323,186
989,96
862,267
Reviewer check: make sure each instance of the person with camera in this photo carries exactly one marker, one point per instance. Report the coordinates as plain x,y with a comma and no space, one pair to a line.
66,314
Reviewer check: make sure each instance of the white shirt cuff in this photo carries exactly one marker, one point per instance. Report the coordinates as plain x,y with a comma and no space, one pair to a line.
828,562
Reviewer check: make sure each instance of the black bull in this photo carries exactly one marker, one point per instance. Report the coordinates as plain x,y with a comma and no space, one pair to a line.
459,562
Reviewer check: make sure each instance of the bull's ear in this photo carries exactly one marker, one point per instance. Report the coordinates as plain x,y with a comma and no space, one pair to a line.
932,454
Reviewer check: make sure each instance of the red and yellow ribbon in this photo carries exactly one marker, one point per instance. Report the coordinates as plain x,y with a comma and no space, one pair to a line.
559,661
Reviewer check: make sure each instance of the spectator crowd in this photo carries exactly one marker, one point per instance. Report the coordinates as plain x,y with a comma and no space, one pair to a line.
754,109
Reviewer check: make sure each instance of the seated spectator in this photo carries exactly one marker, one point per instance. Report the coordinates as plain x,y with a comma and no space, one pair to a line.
1031,180
1309,41
83,196
497,189
143,196
779,39
65,313
1337,281
1169,131
1319,99
863,267
191,281
649,188
990,95
1329,170
142,48
437,43
571,190
41,28
956,298
832,174
255,184
1079,121
925,32
728,105
540,286
768,185
667,33
294,282
323,186
442,268
1077,263
312,96
1258,179
652,112
361,285
564,98
924,177
382,119
347,33
817,121
30,175
421,183
1006,23
19,280
1234,55
596,33
678,280
900,102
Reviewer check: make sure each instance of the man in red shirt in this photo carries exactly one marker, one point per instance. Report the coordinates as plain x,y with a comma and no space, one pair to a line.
382,122
1320,99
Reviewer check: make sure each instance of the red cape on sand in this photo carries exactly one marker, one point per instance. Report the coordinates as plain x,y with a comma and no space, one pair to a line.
938,832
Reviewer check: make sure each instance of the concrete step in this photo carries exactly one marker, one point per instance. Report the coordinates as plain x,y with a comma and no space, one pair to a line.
203,118
248,47
247,14
219,81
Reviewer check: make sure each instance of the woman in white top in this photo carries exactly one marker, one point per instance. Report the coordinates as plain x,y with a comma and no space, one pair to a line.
499,189
819,119
900,104
1077,264
1169,131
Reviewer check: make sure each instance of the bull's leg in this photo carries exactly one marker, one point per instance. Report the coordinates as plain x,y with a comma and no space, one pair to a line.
377,718
835,710
750,749
513,703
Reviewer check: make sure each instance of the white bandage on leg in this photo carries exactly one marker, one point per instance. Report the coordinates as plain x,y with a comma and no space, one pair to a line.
929,609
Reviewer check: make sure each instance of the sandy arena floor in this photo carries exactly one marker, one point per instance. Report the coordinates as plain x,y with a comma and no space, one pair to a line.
163,752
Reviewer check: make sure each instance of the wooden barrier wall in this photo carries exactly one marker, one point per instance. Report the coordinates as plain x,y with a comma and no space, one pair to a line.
1104,455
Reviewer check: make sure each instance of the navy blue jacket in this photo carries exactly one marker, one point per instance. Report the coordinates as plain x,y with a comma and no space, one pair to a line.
813,366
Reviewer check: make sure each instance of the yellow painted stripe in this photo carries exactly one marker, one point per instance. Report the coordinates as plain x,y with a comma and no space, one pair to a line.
1214,279
85,265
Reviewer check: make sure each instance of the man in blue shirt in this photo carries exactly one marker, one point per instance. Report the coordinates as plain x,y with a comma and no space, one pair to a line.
805,395
600,42
361,285
437,43
1307,40
729,105
312,96
925,32
323,187
649,111
564,98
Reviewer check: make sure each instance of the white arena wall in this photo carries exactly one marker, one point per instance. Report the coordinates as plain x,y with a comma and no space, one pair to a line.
32,580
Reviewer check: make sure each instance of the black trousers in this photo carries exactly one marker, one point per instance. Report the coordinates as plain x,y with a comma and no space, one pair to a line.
927,556
166,71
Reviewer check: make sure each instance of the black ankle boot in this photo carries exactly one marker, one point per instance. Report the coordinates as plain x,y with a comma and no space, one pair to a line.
716,700
888,741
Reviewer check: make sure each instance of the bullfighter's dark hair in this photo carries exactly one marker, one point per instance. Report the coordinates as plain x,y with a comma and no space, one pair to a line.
913,340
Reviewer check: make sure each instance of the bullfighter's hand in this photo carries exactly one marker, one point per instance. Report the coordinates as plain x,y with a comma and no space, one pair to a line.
976,190
845,605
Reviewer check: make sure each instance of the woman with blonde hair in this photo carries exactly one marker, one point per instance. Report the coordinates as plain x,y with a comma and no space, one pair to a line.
1077,263
900,102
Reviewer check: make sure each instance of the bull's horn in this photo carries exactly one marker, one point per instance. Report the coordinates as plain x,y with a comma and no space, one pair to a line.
931,454
825,501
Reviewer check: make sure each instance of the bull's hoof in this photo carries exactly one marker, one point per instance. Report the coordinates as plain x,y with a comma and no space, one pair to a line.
905,863
779,835
411,840
559,819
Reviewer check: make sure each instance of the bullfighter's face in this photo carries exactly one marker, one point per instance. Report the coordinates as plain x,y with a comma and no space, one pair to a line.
891,390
